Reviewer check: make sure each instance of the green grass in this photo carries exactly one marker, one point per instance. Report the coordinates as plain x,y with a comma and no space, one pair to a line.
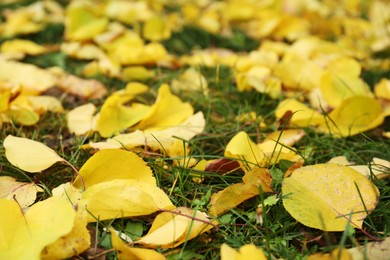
281,235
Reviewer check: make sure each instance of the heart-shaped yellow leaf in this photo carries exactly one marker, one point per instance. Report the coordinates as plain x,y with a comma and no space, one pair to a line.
24,236
111,164
123,198
29,155
326,196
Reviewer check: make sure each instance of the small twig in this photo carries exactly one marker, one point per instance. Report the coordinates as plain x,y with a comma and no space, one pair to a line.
76,172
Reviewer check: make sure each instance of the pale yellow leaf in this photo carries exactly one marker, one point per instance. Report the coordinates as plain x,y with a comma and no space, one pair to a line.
73,243
112,164
373,250
29,155
382,89
85,88
136,73
41,104
190,80
126,252
19,46
325,196
23,192
34,80
24,236
81,119
68,192
123,198
156,139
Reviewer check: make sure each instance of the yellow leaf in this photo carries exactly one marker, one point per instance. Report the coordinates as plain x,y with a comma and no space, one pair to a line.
136,73
354,115
156,29
41,104
24,193
168,111
81,120
170,230
69,192
335,254
107,165
123,198
246,252
19,46
299,73
29,155
163,140
22,116
82,23
382,89
235,194
35,80
115,116
190,80
85,88
24,236
325,196
126,252
373,250
302,116
73,243
339,85
245,150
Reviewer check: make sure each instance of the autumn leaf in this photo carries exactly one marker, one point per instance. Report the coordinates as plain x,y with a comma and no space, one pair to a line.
108,165
126,252
81,120
235,194
23,193
73,243
25,235
123,198
29,155
248,251
170,230
341,254
327,196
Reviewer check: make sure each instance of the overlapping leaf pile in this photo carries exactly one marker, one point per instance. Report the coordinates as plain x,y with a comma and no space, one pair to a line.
316,81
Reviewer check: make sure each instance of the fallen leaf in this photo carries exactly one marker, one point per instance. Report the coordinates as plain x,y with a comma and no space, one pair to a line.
222,165
326,196
245,151
29,155
123,198
73,243
170,230
81,119
156,29
35,79
23,193
235,194
126,252
21,47
168,111
373,250
191,80
248,251
85,88
354,115
25,235
342,254
112,164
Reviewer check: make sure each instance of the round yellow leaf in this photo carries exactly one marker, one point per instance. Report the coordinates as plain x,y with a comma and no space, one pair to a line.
29,155
326,196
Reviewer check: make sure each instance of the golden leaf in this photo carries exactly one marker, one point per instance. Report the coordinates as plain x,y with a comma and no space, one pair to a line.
248,251
326,196
24,193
